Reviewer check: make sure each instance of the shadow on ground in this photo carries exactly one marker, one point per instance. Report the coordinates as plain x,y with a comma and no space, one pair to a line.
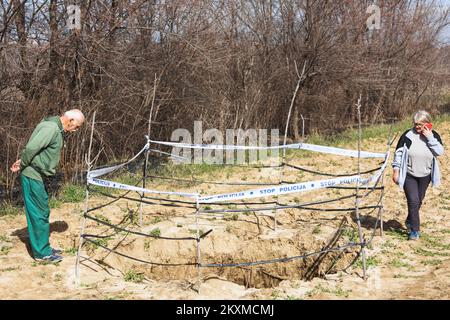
368,222
22,234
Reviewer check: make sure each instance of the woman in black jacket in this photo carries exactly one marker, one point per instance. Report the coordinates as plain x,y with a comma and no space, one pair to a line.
415,165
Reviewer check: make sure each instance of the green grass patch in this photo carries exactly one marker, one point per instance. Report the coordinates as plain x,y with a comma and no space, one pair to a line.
397,234
339,291
156,220
71,251
7,209
194,231
155,232
5,246
370,262
231,216
316,229
103,190
188,171
397,263
434,262
147,244
434,242
54,203
4,250
133,276
72,193
400,254
94,244
129,178
9,269
388,245
292,154
101,217
351,234
400,276
427,253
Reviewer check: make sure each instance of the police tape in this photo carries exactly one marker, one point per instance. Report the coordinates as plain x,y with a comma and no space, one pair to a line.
103,171
122,186
340,151
378,174
284,189
269,191
254,193
298,187
302,146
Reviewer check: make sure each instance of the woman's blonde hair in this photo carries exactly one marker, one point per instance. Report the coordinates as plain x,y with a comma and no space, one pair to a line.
421,116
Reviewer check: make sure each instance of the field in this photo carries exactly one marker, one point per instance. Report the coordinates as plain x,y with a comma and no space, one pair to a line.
397,268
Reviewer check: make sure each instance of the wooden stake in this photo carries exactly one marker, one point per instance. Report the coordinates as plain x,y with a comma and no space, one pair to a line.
357,200
86,205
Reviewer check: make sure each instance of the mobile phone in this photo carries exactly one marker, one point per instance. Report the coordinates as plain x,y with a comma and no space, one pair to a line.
429,125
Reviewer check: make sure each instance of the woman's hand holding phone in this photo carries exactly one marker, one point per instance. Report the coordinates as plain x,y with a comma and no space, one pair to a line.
426,131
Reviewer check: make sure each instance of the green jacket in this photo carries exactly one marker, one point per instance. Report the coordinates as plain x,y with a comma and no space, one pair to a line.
43,151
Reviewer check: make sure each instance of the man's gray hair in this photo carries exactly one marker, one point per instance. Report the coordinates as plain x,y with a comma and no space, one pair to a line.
75,114
422,116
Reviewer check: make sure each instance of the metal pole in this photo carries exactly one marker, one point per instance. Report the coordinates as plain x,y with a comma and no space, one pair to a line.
357,200
86,206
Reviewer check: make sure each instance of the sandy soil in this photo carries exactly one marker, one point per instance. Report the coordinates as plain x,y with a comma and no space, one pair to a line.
397,268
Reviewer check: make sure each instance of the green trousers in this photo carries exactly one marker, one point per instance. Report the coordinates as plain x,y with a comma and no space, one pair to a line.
37,210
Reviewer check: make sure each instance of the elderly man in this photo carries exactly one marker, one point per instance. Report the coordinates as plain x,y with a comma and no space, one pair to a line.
39,160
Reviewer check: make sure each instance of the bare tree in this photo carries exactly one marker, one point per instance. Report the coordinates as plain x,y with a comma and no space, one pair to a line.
230,63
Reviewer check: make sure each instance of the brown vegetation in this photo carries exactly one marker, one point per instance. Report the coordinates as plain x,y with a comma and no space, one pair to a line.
232,64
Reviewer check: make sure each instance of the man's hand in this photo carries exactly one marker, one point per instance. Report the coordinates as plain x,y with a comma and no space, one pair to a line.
395,176
16,166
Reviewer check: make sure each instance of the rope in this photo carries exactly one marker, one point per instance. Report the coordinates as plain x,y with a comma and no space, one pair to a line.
139,233
330,174
338,187
217,183
351,209
260,262
105,194
137,200
285,205
305,206
251,166
137,259
211,203
221,265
